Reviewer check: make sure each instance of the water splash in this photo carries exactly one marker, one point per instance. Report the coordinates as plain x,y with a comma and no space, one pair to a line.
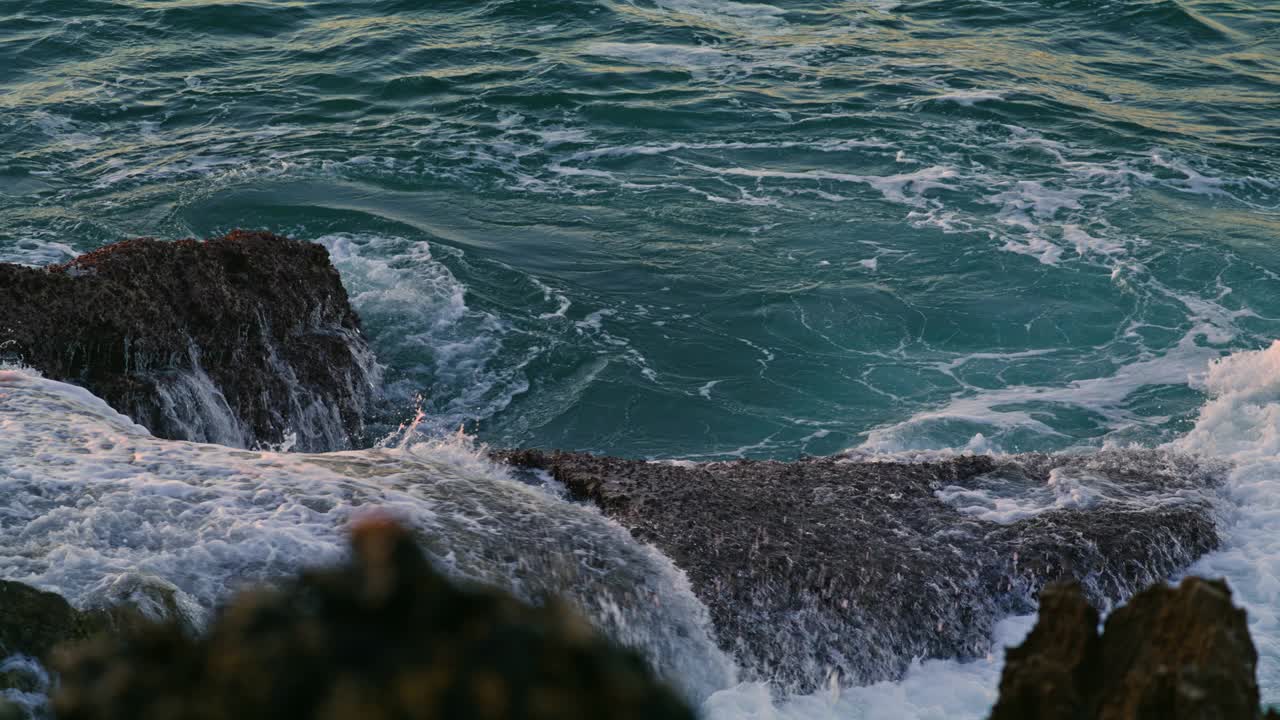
96,507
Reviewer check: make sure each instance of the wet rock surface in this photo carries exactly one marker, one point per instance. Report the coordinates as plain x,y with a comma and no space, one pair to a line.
1170,654
241,340
33,622
385,636
833,564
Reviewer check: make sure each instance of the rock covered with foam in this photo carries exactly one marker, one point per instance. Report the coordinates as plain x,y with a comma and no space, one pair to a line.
832,566
242,340
1170,653
33,624
35,621
104,514
383,636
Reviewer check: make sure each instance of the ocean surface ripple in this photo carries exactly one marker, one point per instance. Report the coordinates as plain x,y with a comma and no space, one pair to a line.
701,228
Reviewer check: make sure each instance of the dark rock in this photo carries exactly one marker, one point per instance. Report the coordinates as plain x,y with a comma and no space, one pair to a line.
33,622
36,622
1170,654
828,564
241,340
385,636
1050,674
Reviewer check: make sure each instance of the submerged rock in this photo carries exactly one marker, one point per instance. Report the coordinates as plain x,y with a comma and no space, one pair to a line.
33,622
831,565
241,340
1169,654
385,636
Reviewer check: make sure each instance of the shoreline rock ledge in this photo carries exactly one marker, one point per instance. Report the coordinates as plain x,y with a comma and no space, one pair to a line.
243,340
849,567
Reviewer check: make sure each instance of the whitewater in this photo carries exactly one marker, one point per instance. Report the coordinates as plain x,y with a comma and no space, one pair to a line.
101,512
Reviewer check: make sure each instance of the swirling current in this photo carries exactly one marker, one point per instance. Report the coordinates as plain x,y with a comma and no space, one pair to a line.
703,230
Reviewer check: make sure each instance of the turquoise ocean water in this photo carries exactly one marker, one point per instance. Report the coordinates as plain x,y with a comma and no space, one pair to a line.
701,228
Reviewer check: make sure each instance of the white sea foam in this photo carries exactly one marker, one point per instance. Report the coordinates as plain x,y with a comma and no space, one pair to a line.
1241,423
1022,406
1044,217
825,145
595,320
549,294
1028,202
38,249
1193,181
931,690
967,98
686,56
418,319
766,355
1035,246
1070,487
96,508
751,14
905,188
98,505
1085,243
67,133
1056,217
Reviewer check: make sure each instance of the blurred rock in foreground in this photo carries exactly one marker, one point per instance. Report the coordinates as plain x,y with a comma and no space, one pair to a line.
385,636
1170,654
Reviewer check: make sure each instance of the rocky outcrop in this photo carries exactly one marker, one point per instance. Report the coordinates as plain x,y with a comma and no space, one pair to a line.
242,340
36,624
1169,654
33,622
386,636
831,564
